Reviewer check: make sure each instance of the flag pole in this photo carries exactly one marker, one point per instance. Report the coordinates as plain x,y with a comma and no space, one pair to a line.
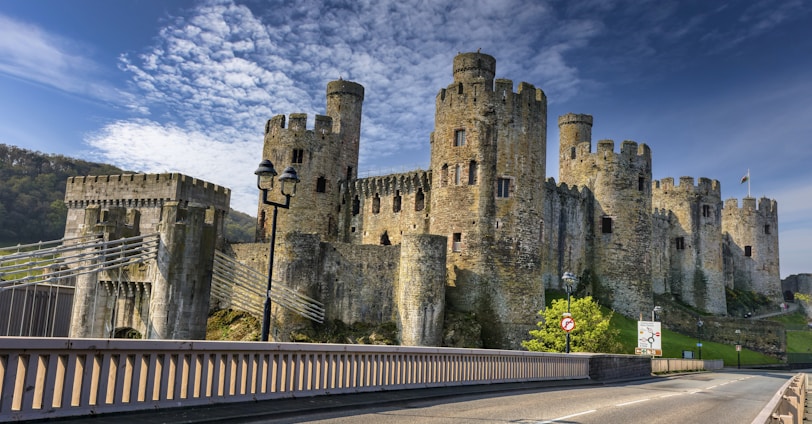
748,182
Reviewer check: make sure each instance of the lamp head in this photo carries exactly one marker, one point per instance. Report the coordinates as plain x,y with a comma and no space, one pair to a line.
288,177
265,171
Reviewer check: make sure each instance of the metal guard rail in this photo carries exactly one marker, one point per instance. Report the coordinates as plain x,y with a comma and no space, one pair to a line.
58,377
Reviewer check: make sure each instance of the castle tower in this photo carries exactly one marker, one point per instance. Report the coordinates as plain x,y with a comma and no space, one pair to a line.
622,213
575,140
325,157
488,153
751,246
694,267
167,298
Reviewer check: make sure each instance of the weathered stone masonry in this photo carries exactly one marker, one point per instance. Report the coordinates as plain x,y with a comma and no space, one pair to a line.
509,231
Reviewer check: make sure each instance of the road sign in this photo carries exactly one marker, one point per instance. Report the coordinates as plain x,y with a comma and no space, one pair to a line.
567,324
649,338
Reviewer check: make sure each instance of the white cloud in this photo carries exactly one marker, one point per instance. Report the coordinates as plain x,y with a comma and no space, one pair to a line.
150,147
29,53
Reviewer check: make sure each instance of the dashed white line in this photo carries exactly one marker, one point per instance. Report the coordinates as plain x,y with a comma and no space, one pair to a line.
633,402
567,417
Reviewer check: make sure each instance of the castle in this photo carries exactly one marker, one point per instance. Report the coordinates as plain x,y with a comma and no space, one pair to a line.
484,232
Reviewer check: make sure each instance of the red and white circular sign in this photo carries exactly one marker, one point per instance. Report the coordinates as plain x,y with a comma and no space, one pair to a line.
567,324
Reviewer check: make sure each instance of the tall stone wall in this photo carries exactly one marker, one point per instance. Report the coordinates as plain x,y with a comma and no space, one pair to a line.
566,232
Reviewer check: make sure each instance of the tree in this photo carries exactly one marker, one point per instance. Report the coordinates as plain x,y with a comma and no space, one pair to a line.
592,332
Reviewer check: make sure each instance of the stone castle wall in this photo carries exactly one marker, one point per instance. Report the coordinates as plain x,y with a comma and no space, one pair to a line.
751,245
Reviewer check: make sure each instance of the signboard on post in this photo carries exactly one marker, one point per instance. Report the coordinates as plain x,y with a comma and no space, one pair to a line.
649,338
567,324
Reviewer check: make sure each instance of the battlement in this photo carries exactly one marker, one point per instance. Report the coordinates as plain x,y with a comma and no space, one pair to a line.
298,123
705,187
387,184
767,207
139,189
628,149
564,189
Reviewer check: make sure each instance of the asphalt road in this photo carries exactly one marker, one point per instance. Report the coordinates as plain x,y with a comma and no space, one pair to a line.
720,397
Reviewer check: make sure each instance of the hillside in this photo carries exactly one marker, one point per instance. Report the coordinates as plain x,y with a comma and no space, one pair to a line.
32,191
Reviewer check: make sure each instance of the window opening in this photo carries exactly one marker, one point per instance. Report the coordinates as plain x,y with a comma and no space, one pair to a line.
298,156
459,89
606,225
472,173
356,205
680,243
376,203
641,183
459,138
349,173
502,187
706,211
457,174
396,202
572,152
444,175
321,185
748,251
419,200
385,239
456,243
767,229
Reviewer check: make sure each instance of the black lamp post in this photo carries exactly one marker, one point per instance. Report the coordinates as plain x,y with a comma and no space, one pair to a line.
266,172
739,349
699,324
569,281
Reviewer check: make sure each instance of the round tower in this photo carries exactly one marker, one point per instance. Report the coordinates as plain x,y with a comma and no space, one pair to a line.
751,246
344,102
488,153
695,269
575,141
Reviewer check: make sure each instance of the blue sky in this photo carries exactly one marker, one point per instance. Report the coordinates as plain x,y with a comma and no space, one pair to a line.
714,87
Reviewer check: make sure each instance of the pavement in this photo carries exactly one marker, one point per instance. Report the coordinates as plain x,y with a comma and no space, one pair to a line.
291,407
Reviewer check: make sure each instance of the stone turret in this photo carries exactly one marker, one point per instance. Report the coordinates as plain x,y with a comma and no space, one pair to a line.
695,267
751,245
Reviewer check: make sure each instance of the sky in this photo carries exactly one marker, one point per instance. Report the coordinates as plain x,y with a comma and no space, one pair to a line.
715,88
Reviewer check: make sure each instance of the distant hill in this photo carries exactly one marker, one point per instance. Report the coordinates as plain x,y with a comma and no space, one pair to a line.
32,193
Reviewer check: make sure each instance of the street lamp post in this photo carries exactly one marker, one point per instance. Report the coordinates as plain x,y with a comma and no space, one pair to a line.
739,349
569,282
699,324
655,311
266,172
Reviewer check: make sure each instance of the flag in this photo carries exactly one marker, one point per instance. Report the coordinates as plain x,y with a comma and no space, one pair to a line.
745,178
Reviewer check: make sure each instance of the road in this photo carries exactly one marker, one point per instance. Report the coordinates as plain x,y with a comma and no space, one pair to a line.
720,397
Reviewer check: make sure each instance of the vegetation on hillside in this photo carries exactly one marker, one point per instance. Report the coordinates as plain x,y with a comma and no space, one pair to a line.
32,193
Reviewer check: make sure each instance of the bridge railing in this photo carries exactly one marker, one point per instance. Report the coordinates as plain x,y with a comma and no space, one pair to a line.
57,377
660,365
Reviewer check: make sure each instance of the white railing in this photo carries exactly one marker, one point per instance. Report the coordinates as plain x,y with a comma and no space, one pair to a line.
57,377
659,365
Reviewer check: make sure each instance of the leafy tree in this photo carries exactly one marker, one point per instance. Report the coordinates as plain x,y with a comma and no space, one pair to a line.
592,332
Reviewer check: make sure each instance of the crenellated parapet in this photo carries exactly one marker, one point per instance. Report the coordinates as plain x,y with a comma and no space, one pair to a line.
767,208
143,190
297,124
387,185
705,187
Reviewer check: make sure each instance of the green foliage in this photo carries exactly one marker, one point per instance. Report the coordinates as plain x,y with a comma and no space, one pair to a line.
358,333
592,333
240,227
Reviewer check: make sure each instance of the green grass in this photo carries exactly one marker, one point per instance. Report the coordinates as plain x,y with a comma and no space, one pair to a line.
799,341
674,343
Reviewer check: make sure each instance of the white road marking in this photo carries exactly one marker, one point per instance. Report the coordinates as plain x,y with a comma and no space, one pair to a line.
567,417
633,402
